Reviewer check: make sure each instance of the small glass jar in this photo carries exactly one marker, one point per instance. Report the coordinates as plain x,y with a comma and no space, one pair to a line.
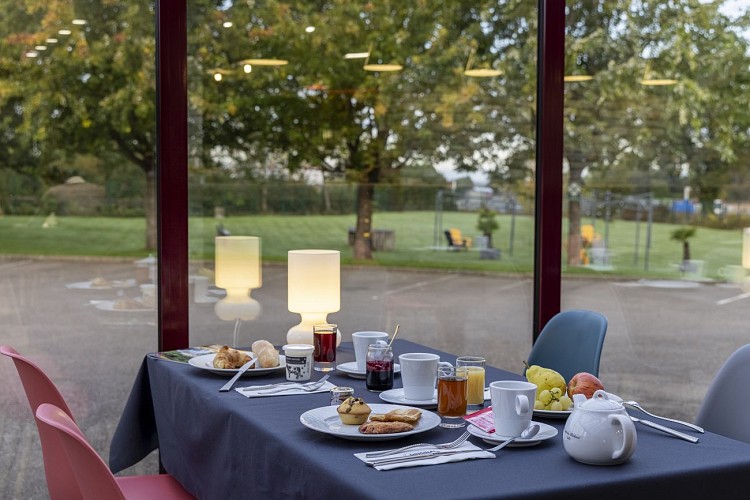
379,368
339,395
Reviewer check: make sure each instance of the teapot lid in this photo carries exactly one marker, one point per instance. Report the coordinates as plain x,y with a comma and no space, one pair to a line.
600,401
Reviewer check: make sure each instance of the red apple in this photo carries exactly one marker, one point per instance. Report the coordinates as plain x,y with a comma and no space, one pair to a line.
584,383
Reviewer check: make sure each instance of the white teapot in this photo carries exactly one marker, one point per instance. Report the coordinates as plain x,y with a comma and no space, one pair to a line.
599,431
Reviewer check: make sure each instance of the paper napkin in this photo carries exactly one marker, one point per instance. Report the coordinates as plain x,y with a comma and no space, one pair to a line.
249,392
467,451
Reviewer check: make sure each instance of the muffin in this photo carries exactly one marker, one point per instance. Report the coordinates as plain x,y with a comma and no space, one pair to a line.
353,411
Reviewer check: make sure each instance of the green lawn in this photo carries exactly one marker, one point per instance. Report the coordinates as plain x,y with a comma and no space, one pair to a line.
415,237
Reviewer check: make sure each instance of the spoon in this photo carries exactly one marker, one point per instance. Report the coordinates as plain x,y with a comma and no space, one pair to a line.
394,336
527,433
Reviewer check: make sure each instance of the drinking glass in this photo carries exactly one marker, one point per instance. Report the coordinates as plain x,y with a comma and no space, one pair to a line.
379,373
324,340
452,388
475,391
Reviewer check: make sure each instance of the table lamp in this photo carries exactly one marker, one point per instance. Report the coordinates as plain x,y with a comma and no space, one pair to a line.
314,290
237,271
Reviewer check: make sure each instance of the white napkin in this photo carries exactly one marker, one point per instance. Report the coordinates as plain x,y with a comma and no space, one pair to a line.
468,452
249,392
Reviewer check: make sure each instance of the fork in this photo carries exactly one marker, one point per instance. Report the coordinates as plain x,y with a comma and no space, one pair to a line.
308,387
444,446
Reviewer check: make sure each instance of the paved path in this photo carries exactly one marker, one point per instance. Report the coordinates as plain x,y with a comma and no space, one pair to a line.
663,346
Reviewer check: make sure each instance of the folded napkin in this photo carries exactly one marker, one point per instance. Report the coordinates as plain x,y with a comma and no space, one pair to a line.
467,451
249,392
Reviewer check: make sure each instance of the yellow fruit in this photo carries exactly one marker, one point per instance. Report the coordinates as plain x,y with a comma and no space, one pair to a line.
538,405
545,379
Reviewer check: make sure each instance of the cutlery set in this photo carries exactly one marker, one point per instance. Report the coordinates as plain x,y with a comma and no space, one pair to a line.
288,386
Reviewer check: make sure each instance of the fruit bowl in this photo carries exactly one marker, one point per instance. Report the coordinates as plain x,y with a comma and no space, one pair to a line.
560,415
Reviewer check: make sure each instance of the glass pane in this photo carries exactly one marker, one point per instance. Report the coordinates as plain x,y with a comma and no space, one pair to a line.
78,155
656,133
354,127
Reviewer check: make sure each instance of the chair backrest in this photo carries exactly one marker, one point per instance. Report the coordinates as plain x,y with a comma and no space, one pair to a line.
571,342
724,410
93,477
40,389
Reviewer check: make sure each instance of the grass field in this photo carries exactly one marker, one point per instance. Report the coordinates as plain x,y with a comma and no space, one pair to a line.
415,241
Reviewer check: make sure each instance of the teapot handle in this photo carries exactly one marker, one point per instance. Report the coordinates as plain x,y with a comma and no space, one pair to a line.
628,435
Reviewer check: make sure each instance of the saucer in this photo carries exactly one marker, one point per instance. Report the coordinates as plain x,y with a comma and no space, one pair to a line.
396,396
546,431
351,369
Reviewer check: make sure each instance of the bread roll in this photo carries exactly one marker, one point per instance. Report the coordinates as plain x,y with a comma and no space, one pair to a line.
260,345
267,358
267,355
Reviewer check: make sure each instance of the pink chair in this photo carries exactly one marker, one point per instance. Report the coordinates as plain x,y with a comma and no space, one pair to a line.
93,477
40,389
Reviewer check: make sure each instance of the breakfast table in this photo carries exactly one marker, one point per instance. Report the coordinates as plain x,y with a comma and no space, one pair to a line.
224,445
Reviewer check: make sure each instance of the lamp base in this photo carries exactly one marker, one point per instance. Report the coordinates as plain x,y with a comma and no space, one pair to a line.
237,306
303,332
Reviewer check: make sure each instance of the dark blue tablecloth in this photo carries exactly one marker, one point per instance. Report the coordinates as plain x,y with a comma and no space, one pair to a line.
223,445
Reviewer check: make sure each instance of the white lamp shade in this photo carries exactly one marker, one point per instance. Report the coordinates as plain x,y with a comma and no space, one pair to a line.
238,262
314,281
746,248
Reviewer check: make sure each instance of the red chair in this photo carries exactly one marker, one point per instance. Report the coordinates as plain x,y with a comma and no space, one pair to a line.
40,389
92,475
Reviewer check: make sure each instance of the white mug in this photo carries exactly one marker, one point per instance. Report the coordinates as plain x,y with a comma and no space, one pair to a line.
419,374
512,406
361,340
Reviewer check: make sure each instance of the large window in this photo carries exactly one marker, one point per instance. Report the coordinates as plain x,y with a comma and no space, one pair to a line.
656,151
371,129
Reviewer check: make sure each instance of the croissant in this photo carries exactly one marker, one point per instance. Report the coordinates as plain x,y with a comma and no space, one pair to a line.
228,358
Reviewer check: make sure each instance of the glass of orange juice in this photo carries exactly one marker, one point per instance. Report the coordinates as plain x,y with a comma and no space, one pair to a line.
475,367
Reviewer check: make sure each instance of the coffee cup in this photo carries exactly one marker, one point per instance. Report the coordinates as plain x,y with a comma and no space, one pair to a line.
361,340
512,406
419,374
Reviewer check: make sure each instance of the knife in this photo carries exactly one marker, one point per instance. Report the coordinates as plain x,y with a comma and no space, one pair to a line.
237,375
413,457
663,428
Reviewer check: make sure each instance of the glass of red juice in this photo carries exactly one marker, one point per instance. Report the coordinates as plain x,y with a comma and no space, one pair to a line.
379,375
324,341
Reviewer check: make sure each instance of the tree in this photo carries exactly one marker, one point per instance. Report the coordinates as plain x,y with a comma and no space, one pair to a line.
91,91
327,112
487,224
683,235
692,132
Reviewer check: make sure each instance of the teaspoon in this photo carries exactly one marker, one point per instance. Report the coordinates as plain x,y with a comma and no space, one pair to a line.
527,433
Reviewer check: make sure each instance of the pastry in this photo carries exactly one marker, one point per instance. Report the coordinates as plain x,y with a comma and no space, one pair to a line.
127,304
385,427
228,358
410,416
268,356
353,411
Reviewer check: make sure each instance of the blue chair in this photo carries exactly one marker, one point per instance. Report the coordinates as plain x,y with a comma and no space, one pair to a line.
724,409
570,342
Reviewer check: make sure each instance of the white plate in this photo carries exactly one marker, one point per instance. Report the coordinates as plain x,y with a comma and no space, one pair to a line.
397,396
546,431
552,414
206,362
109,305
326,419
88,285
351,369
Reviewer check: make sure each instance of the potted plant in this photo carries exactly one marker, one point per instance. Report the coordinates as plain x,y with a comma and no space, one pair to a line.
683,235
487,224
